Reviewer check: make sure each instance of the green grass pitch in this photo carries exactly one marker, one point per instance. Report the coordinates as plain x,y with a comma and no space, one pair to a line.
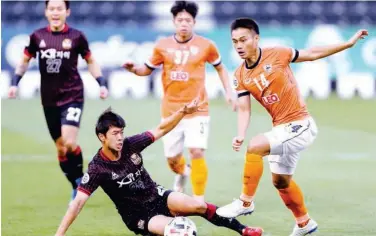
337,173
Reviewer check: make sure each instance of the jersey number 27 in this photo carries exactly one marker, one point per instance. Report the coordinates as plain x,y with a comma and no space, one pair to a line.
73,114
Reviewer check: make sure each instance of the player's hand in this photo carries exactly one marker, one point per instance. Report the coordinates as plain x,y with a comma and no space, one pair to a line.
12,92
129,66
192,107
361,34
237,143
103,93
230,101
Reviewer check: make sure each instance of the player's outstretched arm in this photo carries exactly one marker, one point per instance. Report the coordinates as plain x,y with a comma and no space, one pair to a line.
72,212
223,75
140,70
170,122
244,114
316,53
20,70
95,70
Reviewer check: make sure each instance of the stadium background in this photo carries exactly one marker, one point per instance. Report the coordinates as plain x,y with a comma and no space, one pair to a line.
336,174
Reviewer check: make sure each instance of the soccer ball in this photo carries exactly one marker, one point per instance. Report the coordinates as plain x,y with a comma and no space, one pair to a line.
180,226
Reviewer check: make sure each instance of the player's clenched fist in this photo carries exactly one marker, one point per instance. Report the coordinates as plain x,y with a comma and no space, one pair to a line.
103,93
237,143
12,92
129,65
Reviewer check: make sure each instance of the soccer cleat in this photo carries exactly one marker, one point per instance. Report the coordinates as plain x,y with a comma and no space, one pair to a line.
74,191
181,180
308,229
252,231
235,209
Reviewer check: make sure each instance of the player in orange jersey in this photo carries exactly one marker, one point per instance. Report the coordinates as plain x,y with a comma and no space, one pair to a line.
266,75
184,56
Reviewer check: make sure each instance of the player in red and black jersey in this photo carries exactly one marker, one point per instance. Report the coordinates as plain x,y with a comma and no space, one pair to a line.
145,207
58,47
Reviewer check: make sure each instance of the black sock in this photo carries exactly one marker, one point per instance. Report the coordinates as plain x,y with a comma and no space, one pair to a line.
72,166
75,160
217,220
65,166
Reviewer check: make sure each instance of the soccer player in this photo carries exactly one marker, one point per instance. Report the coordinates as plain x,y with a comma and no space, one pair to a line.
62,90
145,207
184,56
266,75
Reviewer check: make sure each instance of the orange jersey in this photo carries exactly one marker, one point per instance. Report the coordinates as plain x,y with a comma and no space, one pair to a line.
272,83
183,75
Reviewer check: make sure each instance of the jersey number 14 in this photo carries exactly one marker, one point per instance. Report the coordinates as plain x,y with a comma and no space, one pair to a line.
261,82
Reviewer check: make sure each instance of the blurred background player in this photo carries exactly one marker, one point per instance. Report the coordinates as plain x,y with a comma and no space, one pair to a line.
145,207
62,90
266,75
184,56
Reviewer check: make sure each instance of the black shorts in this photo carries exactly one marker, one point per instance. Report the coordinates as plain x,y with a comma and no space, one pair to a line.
137,221
69,114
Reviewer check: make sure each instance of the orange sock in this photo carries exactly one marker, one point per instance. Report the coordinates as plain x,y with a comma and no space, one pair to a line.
178,166
253,168
199,176
293,198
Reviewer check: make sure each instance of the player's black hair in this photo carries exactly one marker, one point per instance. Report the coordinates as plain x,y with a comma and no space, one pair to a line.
247,23
107,119
67,3
188,6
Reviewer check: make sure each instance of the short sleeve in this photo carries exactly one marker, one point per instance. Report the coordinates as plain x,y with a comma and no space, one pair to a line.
156,58
214,57
90,181
31,49
137,143
287,54
237,83
83,47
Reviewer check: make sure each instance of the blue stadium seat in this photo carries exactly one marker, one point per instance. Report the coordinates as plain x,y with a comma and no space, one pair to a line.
272,12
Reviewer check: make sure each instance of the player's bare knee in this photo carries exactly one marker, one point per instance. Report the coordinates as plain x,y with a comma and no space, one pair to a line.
60,148
197,206
61,151
281,182
196,153
259,145
70,144
173,162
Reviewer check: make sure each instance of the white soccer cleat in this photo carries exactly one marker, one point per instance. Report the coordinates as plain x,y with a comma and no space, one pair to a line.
308,229
179,183
181,180
235,209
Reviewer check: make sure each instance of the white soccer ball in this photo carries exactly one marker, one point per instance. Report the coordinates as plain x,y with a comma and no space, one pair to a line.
180,226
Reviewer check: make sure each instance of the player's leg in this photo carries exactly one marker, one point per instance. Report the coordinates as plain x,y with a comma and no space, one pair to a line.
52,115
257,148
291,193
158,223
173,144
295,138
70,119
184,205
196,132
